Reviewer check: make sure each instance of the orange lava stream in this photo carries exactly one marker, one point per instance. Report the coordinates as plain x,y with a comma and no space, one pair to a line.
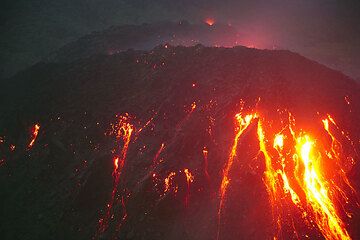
318,191
270,175
189,179
296,173
242,124
162,146
336,149
123,131
193,106
35,132
168,181
302,175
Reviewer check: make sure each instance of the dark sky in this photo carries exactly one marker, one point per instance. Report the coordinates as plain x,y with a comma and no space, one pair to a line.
324,30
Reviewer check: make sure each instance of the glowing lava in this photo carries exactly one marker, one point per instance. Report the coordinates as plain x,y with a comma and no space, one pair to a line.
34,133
193,106
162,146
189,179
295,167
304,176
168,182
123,130
310,182
317,191
242,123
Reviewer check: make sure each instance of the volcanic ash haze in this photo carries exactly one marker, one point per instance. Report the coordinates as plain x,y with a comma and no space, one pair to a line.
180,143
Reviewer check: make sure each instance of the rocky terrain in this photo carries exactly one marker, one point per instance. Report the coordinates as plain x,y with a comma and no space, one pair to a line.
181,102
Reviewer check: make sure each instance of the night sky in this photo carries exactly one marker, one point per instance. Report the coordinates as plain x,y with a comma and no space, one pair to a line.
327,31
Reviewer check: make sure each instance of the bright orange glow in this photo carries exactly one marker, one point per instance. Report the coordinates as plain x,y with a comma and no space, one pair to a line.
335,145
317,191
336,148
287,189
294,174
242,124
193,106
123,130
189,176
308,173
168,180
210,21
279,142
270,177
35,132
304,175
116,164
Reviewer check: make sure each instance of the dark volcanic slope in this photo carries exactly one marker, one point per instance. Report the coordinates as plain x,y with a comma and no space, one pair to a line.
60,187
145,37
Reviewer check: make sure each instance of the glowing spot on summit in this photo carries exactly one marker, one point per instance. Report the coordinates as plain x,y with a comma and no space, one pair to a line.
210,21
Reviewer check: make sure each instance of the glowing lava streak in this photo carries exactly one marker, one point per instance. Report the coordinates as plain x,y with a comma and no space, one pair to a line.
336,148
158,154
279,142
271,177
316,190
35,132
123,131
335,145
168,180
308,173
193,106
189,179
279,146
242,124
270,173
205,153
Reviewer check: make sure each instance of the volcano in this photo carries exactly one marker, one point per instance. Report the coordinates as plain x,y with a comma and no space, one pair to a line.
180,143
